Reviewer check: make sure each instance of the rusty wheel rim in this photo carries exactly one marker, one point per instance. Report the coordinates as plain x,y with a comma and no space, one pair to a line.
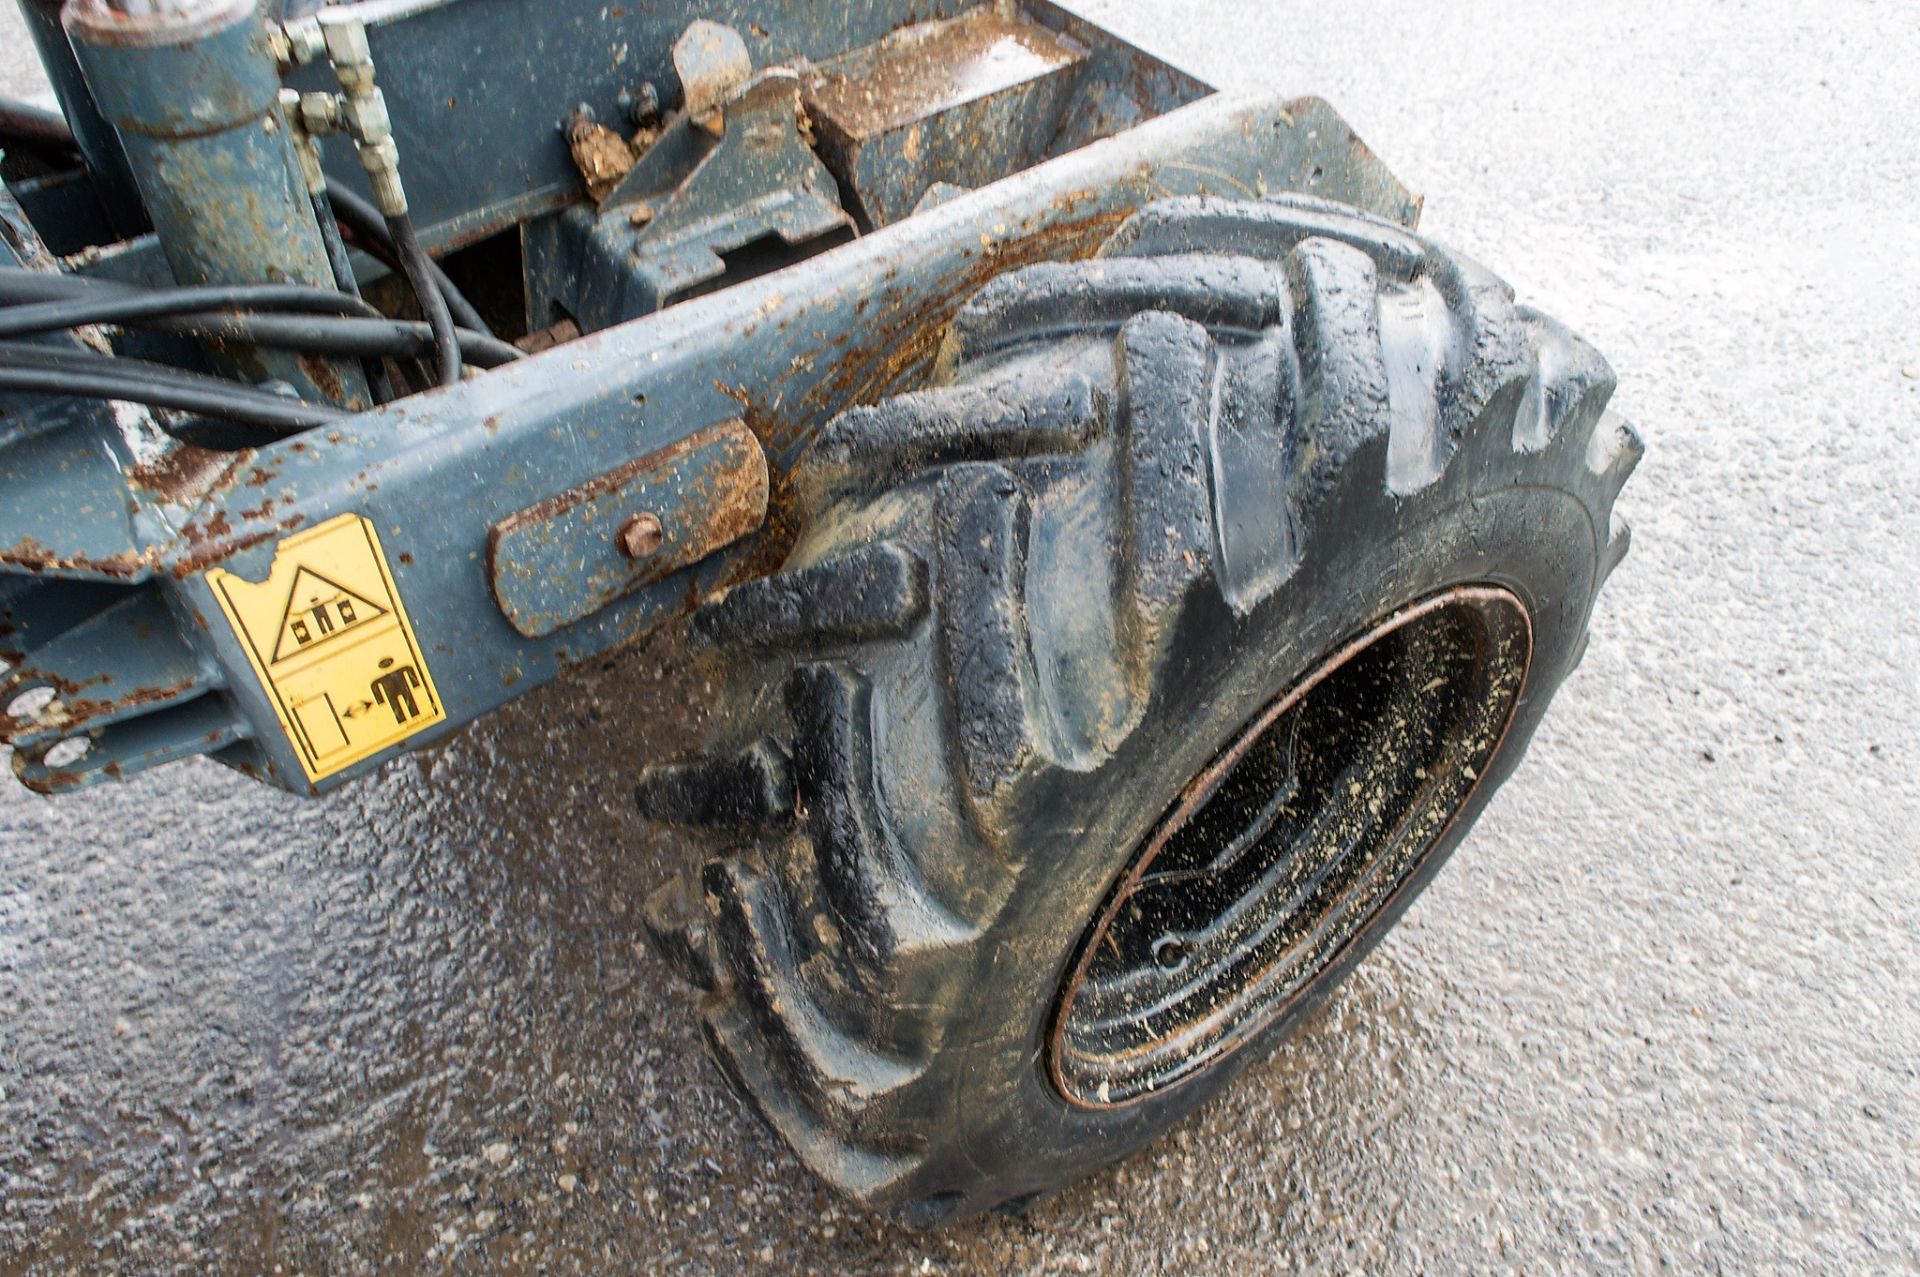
1290,848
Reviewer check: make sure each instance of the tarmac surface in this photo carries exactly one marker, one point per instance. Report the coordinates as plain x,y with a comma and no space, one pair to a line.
1659,1013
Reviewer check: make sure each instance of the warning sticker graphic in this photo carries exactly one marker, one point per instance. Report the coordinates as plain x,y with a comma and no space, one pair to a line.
332,645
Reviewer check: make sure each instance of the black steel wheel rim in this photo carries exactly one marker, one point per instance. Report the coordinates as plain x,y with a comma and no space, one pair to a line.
1290,847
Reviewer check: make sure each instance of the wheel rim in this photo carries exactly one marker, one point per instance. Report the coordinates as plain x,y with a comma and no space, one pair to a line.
1290,848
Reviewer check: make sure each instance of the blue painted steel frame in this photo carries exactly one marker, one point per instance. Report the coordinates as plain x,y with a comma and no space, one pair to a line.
477,88
436,472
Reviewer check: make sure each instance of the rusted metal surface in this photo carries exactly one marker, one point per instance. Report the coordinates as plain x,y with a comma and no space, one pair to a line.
1289,850
556,334
480,161
193,95
569,556
200,726
137,663
928,67
183,473
966,101
701,193
713,64
438,471
65,507
641,535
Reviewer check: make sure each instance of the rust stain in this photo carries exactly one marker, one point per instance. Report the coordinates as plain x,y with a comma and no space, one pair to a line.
905,333
186,473
33,556
543,511
217,526
554,334
321,372
723,506
206,553
924,68
77,712
59,683
911,329
53,782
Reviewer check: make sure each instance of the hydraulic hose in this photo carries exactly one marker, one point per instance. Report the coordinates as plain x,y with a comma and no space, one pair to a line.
45,131
63,372
337,258
433,304
366,222
66,301
36,129
345,338
373,369
92,304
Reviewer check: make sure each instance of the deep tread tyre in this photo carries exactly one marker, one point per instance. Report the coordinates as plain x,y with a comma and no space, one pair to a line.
1147,497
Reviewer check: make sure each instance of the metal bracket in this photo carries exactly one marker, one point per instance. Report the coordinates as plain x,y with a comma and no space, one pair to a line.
567,557
698,194
550,461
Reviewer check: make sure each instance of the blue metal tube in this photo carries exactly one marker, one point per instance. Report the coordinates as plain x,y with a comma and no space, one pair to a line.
193,91
99,145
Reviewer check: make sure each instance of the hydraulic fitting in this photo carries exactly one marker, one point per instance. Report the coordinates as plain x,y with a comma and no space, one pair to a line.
363,108
194,92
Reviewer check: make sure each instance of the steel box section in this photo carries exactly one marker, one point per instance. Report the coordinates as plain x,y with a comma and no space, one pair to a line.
437,472
478,88
964,103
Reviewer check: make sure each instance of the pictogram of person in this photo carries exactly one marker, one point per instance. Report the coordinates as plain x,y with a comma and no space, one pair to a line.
395,687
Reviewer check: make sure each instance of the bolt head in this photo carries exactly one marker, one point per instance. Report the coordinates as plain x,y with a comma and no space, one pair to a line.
641,535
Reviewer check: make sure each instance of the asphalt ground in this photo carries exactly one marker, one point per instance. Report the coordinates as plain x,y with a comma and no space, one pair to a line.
1660,1011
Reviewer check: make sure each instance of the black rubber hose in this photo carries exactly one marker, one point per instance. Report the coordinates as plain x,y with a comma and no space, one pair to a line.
44,370
87,384
94,304
433,303
337,259
365,219
345,338
373,368
46,129
65,301
21,284
40,130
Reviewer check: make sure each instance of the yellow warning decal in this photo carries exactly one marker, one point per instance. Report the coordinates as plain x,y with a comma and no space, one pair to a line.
331,643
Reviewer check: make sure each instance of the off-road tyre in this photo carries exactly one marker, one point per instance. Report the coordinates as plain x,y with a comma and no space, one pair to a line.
1146,497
